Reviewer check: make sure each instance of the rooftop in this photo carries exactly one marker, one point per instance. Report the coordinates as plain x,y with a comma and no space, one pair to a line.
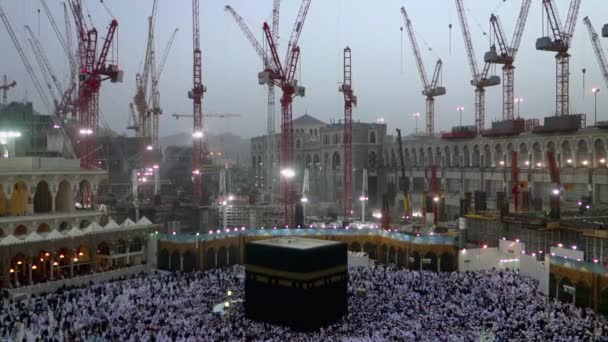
296,243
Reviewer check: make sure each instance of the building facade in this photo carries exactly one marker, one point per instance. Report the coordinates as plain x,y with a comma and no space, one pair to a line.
319,148
51,228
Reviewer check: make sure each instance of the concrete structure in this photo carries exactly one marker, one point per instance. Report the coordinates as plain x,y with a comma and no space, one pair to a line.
318,147
51,228
483,164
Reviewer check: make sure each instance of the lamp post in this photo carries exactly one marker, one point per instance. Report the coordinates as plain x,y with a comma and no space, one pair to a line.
416,116
363,199
304,200
595,91
518,100
460,109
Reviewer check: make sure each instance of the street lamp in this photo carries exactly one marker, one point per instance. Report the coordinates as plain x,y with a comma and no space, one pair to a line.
416,116
518,100
595,91
363,199
304,200
460,109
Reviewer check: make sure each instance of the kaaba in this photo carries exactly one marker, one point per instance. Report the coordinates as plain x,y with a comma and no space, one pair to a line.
296,282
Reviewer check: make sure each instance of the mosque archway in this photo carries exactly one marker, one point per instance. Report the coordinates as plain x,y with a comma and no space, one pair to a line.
163,260
210,259
189,261
429,262
222,257
565,295
175,261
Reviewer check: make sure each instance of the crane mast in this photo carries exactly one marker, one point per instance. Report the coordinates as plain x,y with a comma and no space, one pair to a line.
599,50
430,89
559,42
285,79
480,80
5,87
506,56
196,94
350,100
268,155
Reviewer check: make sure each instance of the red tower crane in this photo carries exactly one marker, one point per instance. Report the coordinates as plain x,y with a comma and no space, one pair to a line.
599,50
559,42
282,75
5,87
93,71
480,79
430,89
350,100
199,154
506,56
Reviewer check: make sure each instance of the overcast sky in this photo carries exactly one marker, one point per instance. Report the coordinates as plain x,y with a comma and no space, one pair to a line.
370,28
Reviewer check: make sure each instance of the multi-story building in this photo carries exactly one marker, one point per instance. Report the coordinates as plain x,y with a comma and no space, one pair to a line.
50,228
319,148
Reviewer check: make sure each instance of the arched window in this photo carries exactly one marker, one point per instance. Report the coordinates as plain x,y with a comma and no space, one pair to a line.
372,137
335,163
298,143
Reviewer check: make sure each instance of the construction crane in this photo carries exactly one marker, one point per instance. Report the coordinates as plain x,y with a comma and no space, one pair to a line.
22,55
132,122
199,154
599,50
406,202
5,87
33,76
515,180
93,71
281,75
208,115
430,89
141,82
559,42
506,56
268,155
350,100
480,79
45,67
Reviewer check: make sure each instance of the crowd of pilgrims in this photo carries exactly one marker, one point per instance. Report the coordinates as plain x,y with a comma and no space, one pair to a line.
385,304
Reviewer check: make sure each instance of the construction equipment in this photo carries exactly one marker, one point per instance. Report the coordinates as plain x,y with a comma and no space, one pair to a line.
141,81
208,115
45,67
506,56
515,180
350,100
199,153
407,210
132,121
480,79
599,50
430,89
559,42
93,71
5,87
282,75
268,155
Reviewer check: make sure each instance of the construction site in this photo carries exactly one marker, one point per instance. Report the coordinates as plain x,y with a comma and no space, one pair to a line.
541,180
